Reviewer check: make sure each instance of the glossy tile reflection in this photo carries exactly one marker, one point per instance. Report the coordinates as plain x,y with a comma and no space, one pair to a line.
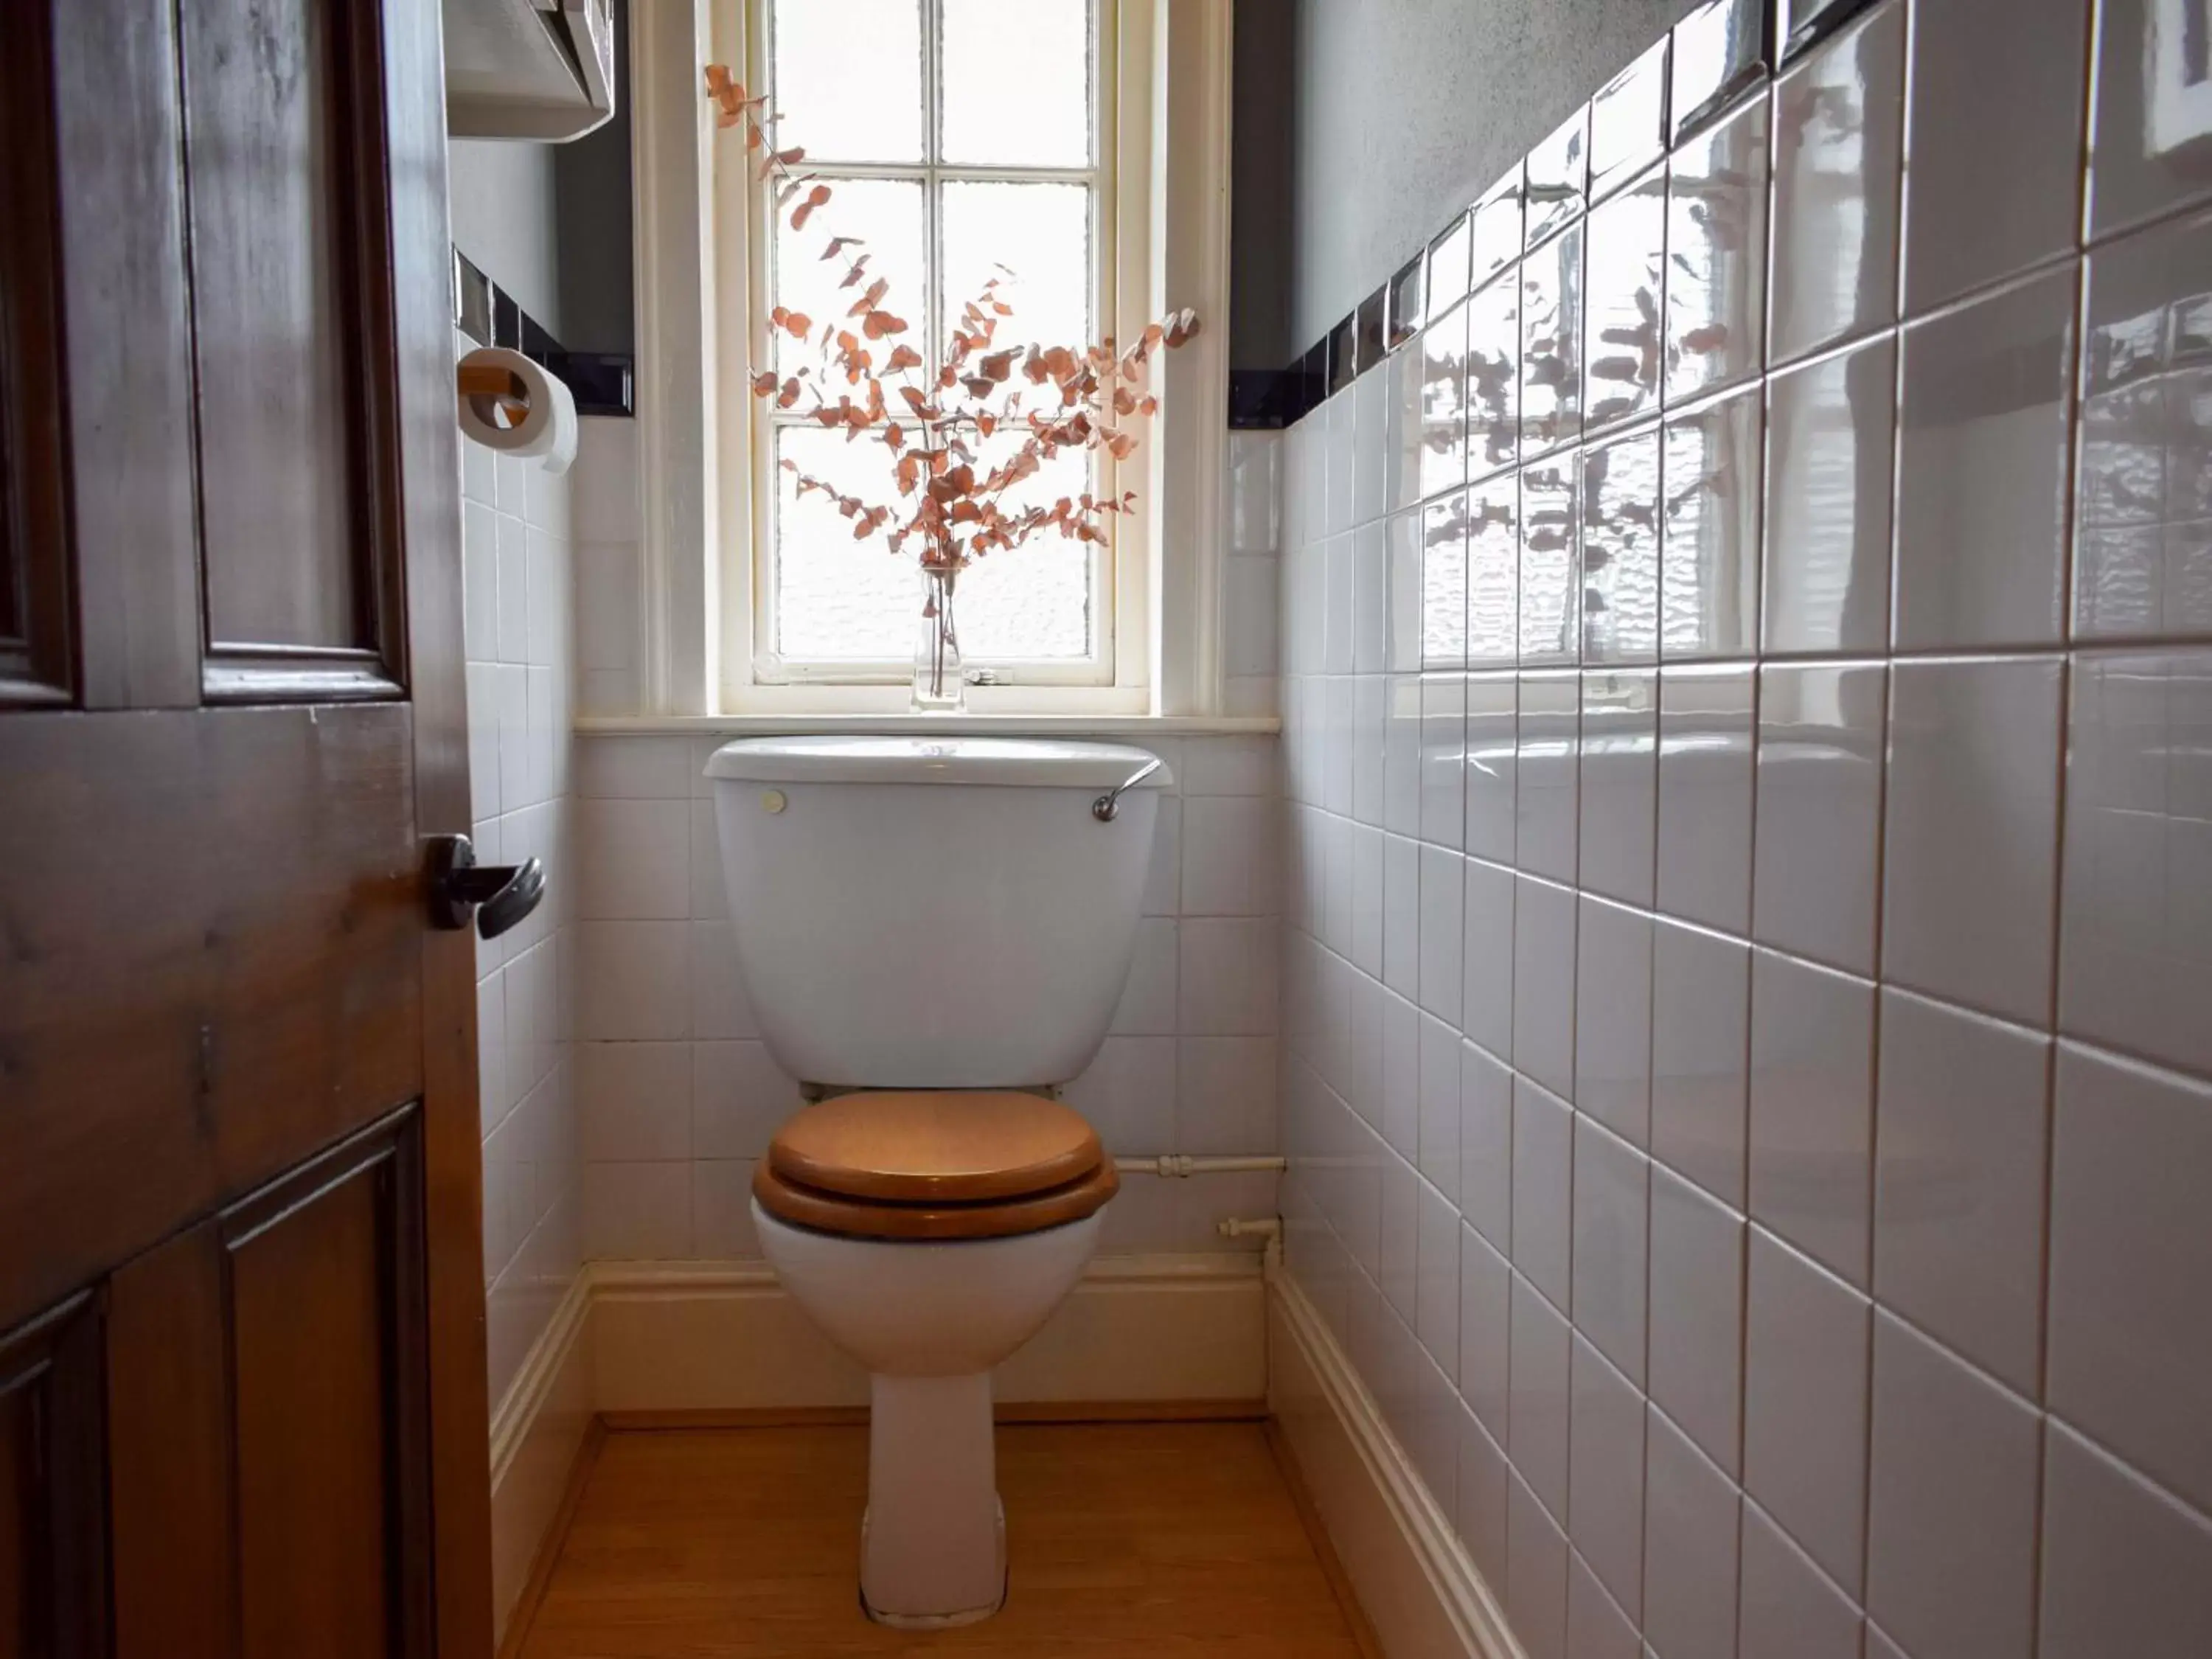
1621,550
1551,344
1716,255
1709,578
1622,320
1493,375
1551,596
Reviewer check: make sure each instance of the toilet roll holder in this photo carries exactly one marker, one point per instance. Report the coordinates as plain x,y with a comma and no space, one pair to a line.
502,386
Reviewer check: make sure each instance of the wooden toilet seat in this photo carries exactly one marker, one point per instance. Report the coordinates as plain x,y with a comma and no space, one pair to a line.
935,1165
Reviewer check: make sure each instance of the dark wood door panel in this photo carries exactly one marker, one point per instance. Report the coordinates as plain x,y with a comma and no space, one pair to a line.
35,667
324,1274
53,1589
211,961
292,338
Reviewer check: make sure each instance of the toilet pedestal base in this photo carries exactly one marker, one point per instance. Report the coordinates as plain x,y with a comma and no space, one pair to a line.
934,1545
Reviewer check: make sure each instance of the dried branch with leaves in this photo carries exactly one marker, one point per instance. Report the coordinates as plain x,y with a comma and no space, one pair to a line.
949,504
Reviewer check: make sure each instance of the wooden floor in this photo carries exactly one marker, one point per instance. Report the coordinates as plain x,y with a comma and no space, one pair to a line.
1165,1539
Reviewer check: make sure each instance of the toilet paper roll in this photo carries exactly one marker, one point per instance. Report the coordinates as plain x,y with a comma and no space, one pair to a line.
547,431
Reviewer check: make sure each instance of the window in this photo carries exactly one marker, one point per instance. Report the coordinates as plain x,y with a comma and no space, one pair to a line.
957,136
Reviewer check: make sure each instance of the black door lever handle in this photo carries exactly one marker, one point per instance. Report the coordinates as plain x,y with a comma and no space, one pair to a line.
500,895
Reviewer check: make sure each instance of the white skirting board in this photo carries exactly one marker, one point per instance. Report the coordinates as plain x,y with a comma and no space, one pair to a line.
678,1336
633,1336
1411,1574
535,1434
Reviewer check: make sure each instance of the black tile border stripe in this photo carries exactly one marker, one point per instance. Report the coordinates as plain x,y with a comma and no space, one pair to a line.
1378,325
602,382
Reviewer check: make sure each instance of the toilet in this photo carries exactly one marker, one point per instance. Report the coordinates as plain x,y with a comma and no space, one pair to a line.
933,933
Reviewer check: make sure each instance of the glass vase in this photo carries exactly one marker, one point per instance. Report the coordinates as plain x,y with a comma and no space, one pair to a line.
940,685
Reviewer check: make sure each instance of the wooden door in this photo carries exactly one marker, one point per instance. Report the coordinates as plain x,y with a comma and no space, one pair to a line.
241,1298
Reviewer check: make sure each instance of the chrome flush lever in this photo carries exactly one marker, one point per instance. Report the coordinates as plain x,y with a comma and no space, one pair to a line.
1109,803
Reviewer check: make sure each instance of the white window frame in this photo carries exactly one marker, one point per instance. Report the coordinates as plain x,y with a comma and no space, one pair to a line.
755,573
1167,64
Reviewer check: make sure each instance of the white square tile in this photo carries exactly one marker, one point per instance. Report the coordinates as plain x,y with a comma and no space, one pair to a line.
1401,755
1612,1231
485,710
721,1005
1493,381
1444,757
1838,129
2142,551
633,1101
1994,126
549,599
1443,923
1985,402
1963,1120
606,578
1543,1191
637,1212
1812,1109
1435,441
1805,1404
1148,1004
1371,719
1605,1460
1713,460
1544,983
640,768
1623,308
1705,795
1337,622
1485,1312
2132,1265
1229,857
1627,121
1618,787
1336,713
721,1210
1401,1077
2134,965
1831,427
605,480
1551,344
1546,772
1538,1417
1484,1480
1402,592
1791,1608
1716,255
1492,754
1401,915
1228,977
511,691
1952,1503
1596,1627
1613,1018
1370,405
1486,1144
1493,573
1438,1134
1695,1354
1400,1247
1486,972
493,1100
1163,875
634,980
633,859
1536,1575
1223,1091
1700,1042
1970,843
1370,599
1435,1289
511,551
739,1098
1129,1093
1817,838
480,582
1367,916
2124,1566
1690,1548
1339,461
1550,621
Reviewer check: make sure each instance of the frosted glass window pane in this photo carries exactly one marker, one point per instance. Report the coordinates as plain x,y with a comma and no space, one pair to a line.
1043,233
838,599
1016,82
886,213
849,79
1032,602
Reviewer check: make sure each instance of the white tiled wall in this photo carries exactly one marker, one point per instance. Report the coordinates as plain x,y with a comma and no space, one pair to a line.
1747,1010
677,1096
516,533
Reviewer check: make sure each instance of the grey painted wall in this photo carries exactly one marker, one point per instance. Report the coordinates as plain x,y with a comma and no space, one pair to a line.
591,188
504,219
1406,110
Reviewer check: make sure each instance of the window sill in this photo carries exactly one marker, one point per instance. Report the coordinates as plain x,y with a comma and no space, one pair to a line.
763,725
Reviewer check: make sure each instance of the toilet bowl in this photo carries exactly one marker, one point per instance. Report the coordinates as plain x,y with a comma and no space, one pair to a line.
932,933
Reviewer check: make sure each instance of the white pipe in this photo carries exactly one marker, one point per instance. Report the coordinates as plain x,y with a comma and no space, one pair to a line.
1180,1165
1268,1227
